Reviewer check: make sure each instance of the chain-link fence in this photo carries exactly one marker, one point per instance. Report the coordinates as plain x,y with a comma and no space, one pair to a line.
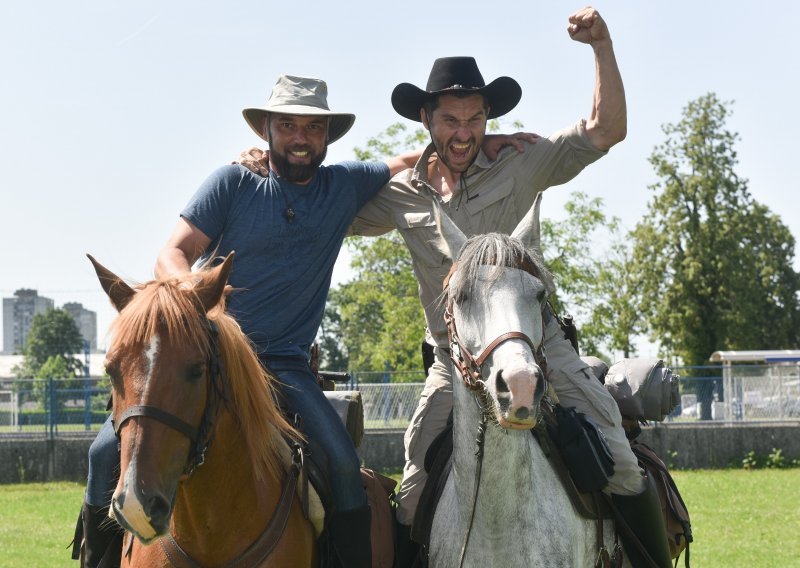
70,407
741,393
52,407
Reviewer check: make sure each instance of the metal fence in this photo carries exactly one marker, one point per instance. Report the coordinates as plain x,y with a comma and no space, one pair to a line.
74,407
764,392
53,407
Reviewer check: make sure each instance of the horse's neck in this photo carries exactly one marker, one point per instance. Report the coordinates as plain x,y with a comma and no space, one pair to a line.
511,459
465,430
219,494
521,516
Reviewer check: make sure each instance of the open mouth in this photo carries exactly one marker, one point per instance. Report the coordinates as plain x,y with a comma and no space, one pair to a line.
526,424
460,151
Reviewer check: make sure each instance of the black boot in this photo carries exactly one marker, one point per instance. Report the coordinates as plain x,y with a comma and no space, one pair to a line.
98,539
349,531
644,517
406,551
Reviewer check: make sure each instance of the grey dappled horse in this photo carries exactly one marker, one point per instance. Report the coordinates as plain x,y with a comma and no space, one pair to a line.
519,515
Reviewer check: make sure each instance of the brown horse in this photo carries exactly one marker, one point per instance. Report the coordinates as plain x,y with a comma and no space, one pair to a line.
206,478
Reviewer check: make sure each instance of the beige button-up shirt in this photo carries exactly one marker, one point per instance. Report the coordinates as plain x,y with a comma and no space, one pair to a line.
491,196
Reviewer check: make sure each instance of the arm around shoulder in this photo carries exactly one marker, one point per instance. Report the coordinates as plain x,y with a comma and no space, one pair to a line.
403,162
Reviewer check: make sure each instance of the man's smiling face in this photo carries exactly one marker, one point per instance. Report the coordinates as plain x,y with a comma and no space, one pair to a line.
298,145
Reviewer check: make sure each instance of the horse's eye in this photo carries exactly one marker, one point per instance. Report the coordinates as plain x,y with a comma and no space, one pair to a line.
112,374
460,297
112,370
541,295
194,372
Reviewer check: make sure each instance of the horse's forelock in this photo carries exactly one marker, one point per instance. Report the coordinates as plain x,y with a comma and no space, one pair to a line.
160,307
495,249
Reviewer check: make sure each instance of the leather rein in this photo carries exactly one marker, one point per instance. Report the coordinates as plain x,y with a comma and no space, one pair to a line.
201,437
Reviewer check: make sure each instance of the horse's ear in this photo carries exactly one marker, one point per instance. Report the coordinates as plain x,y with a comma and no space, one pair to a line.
115,287
211,294
528,230
451,240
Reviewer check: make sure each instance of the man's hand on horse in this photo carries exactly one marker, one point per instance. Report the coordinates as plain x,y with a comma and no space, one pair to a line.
255,160
493,143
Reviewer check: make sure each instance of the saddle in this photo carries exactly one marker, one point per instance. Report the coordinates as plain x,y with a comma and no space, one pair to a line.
439,461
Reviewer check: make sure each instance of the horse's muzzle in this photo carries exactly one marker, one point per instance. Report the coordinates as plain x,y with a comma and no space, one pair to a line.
146,517
516,391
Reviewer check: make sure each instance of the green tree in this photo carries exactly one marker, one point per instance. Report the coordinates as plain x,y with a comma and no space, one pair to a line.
381,317
56,367
49,353
585,253
53,333
713,266
333,354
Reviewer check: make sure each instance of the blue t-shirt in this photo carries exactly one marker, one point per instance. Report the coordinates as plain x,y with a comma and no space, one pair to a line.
282,270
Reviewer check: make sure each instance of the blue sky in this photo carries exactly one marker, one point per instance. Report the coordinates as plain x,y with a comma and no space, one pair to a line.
111,114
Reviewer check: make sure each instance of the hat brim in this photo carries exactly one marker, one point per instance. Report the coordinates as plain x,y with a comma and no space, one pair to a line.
338,125
502,94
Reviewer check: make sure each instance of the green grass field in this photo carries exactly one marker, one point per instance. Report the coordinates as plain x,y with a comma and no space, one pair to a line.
739,518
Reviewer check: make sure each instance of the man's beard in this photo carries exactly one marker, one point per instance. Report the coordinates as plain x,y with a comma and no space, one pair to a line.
296,173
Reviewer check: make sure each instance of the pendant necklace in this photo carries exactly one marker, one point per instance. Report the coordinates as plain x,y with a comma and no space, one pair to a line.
288,212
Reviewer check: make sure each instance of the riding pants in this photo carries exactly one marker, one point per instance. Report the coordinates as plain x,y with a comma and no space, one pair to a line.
103,466
574,384
299,393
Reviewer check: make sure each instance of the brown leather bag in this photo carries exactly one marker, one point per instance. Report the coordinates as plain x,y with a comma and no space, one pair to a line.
676,515
380,493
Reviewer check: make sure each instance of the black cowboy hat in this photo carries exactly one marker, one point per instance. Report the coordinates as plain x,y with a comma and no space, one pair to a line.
457,74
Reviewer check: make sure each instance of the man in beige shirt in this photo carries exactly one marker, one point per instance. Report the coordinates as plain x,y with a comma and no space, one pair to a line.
482,196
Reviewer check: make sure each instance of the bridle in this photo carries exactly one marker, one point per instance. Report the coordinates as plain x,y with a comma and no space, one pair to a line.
201,436
465,362
469,367
218,390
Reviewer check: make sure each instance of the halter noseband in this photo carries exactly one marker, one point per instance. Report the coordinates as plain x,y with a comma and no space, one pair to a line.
201,436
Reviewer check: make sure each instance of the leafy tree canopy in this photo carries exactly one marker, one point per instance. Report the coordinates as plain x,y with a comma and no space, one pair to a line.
53,335
714,267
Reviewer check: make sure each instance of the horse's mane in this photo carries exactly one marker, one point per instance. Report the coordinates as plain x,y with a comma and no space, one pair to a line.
499,250
171,306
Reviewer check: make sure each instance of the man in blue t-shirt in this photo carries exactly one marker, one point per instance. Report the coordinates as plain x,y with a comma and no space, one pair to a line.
286,229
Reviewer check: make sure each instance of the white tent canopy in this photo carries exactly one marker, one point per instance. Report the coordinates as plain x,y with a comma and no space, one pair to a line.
768,356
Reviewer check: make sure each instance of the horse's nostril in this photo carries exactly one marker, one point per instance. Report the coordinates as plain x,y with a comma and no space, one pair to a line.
159,511
502,385
522,413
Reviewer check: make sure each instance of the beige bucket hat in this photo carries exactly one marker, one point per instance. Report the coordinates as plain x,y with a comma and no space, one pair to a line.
303,96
